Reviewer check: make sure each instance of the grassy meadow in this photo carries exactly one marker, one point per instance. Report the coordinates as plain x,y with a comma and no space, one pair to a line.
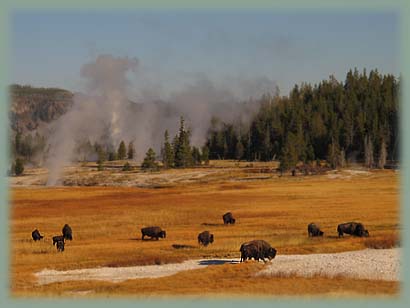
106,223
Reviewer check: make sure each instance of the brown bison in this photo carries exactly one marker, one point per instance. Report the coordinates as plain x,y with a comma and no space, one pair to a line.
228,218
60,246
249,251
36,235
205,238
314,230
352,228
58,238
257,249
67,232
153,232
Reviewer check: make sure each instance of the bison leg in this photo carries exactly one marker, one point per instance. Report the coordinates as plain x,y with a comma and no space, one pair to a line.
142,238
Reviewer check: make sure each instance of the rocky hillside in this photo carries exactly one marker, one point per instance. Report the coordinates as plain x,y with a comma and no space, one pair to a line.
31,107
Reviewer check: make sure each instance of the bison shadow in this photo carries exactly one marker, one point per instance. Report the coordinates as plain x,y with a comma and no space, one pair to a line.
217,262
181,246
212,225
142,240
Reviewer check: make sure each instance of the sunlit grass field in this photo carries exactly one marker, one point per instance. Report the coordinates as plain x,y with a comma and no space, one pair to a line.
106,223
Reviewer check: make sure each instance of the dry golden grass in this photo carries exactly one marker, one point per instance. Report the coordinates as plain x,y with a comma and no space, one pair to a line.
106,223
222,280
383,241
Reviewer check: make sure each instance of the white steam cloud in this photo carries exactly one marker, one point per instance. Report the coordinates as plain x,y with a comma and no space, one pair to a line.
106,114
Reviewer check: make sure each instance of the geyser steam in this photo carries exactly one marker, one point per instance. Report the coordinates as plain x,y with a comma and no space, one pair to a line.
106,114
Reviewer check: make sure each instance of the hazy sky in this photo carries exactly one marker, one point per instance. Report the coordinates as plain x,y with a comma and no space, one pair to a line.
288,47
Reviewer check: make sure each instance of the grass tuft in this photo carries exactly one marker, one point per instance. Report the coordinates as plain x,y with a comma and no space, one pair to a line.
383,242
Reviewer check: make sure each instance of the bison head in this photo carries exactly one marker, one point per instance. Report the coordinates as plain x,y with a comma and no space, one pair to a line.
271,253
365,233
321,233
211,238
233,220
162,234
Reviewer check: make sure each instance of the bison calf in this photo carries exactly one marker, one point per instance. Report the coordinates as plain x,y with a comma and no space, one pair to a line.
205,238
314,230
352,228
67,232
60,246
153,232
58,238
228,218
36,235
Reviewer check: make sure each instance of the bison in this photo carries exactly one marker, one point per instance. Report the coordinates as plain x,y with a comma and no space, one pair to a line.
60,246
67,232
314,230
205,238
228,218
58,238
257,249
36,235
249,251
352,228
153,232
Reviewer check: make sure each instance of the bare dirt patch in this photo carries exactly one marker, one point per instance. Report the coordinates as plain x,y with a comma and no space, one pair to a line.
374,264
364,264
119,274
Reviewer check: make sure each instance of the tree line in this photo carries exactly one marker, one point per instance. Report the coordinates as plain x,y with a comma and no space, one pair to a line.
354,120
337,121
179,153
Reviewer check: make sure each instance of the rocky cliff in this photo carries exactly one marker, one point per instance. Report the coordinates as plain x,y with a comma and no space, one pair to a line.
32,107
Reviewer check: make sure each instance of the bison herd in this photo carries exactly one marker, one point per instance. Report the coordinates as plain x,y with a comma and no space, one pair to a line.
58,240
256,249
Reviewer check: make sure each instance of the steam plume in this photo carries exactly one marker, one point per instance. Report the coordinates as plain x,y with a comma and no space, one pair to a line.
105,112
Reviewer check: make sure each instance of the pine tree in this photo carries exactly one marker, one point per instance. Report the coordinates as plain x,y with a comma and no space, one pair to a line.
183,154
239,151
149,160
167,152
122,151
333,154
289,156
225,150
382,155
101,158
131,150
196,156
205,155
19,166
112,156
342,158
368,152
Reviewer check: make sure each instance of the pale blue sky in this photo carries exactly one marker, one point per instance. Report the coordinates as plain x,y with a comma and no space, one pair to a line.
288,47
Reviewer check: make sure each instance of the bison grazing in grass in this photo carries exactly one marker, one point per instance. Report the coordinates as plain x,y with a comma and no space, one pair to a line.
60,245
67,232
228,218
36,235
153,232
205,238
352,228
257,249
58,238
314,230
